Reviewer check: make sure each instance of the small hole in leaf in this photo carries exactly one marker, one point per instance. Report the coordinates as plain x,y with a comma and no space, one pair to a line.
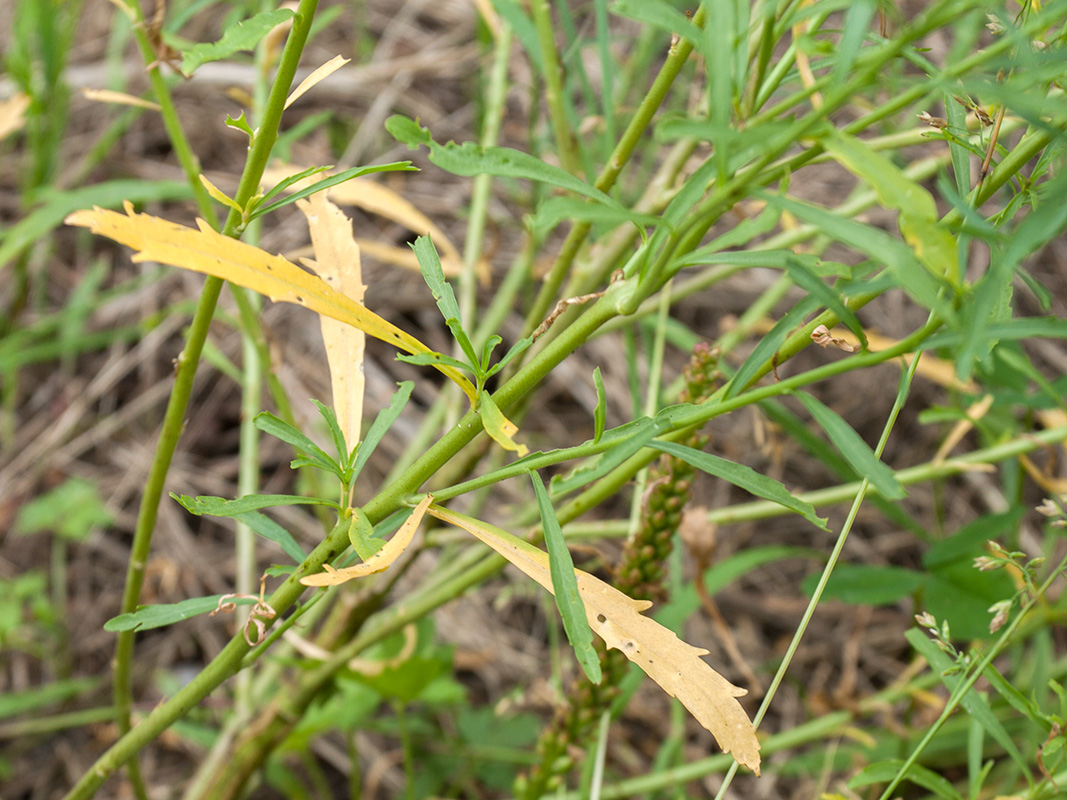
601,618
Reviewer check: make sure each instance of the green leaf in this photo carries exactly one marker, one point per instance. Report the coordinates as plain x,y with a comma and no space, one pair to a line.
662,15
333,180
441,289
558,209
336,433
221,507
933,245
767,346
813,285
600,413
516,349
565,586
242,35
885,771
744,477
868,584
433,360
961,595
631,437
854,449
280,429
70,510
973,702
361,535
269,529
909,272
241,124
382,423
15,703
284,184
469,159
148,617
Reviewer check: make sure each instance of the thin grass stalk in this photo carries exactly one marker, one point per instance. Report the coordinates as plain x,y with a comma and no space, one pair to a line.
971,678
831,562
566,146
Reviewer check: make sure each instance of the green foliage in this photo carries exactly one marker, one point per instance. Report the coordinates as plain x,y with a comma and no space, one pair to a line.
71,510
664,164
241,35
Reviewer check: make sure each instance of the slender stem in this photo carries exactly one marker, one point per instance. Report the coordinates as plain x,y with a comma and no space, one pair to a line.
557,106
189,358
642,118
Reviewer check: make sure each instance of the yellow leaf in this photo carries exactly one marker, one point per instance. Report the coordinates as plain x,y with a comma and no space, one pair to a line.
322,72
616,618
337,263
499,427
374,198
380,560
220,195
13,114
121,98
209,252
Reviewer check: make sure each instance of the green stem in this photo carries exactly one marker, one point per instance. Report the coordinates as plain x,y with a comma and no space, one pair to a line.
189,358
557,107
642,118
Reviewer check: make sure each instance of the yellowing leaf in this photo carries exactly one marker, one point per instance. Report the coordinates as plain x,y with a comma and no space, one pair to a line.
374,198
380,560
209,252
13,113
322,72
499,427
220,195
337,263
617,619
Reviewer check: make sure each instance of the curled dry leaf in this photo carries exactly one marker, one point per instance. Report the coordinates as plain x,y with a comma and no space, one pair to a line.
675,665
821,336
207,251
380,560
337,262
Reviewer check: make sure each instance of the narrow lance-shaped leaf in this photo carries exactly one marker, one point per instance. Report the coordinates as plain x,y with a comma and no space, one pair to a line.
565,586
617,619
210,252
380,560
854,449
745,477
264,526
280,429
382,423
221,507
148,617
